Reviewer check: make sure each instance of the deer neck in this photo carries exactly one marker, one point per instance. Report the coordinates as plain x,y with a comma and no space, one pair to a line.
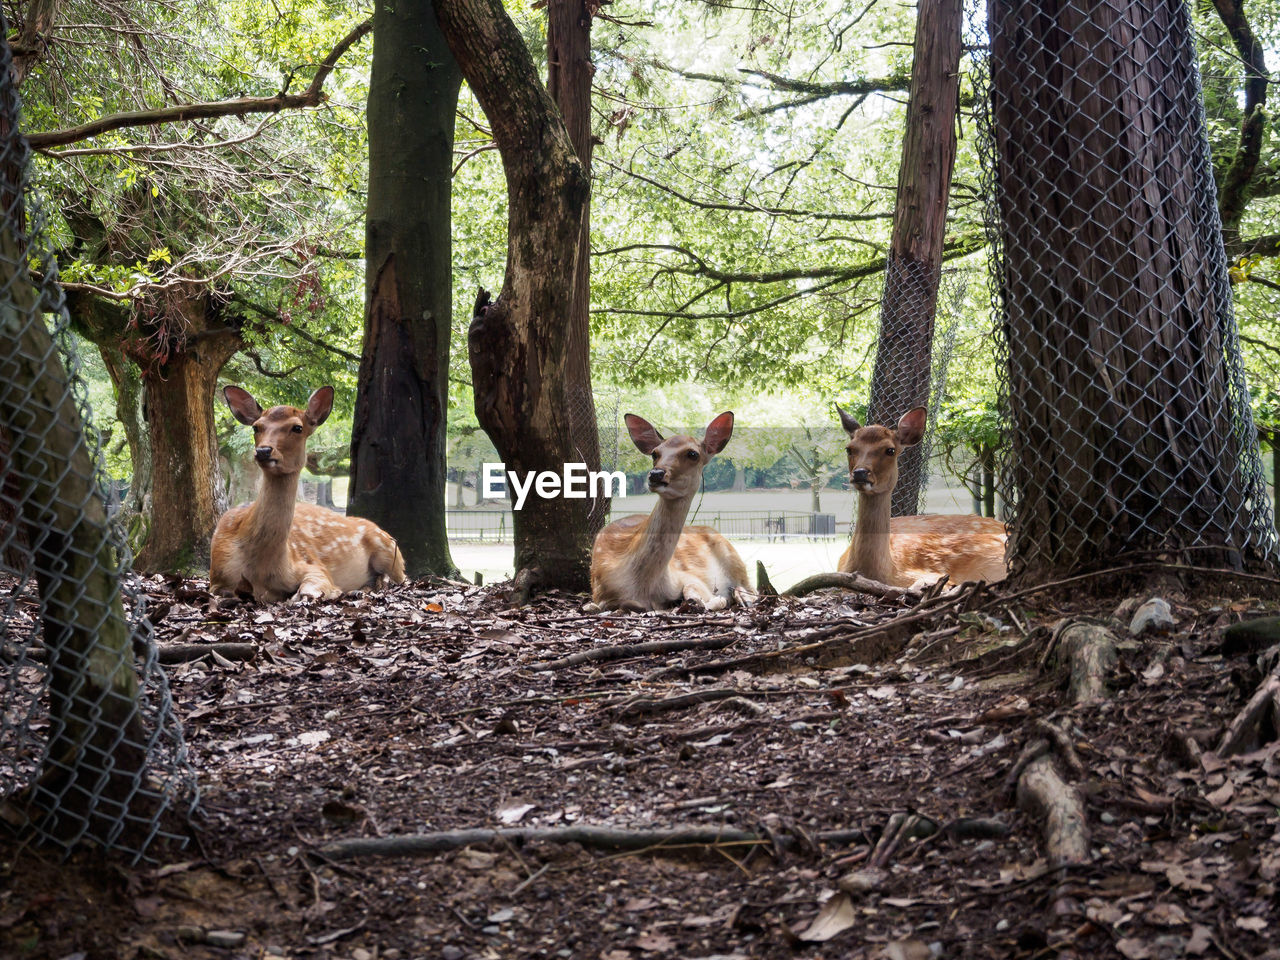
657,538
871,553
266,531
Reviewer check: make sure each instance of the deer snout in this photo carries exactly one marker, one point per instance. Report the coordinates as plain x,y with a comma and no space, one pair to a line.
657,477
262,454
859,476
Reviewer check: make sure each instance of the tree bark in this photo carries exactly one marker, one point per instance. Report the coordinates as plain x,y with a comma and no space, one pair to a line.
913,270
569,74
398,462
519,343
95,759
1129,430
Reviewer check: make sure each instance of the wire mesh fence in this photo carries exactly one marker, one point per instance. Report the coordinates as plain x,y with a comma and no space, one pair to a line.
90,750
1123,393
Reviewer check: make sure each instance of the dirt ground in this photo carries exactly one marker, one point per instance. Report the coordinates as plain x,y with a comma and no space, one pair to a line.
827,777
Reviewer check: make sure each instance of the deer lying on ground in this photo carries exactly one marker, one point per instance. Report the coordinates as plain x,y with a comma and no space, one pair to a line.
916,550
276,547
646,563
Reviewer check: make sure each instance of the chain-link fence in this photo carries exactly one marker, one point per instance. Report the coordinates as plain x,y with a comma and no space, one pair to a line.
90,750
1130,432
920,317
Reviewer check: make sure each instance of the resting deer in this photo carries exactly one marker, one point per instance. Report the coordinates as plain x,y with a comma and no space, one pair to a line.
910,551
645,563
275,546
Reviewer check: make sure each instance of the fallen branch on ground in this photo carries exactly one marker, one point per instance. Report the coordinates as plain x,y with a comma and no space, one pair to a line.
624,651
600,838
1245,730
851,581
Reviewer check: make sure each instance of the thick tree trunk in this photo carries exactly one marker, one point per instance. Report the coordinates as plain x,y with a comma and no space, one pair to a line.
519,343
187,492
1130,432
398,461
95,759
914,266
569,73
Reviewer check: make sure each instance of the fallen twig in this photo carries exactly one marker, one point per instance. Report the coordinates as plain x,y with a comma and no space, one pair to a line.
1245,729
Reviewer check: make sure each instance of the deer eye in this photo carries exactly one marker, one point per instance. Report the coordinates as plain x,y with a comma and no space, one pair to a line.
692,455
889,451
296,428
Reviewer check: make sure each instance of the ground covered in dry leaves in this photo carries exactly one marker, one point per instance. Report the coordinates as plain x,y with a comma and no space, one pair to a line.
827,777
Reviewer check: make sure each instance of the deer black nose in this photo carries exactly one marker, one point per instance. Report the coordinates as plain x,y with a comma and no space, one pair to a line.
657,476
861,475
262,454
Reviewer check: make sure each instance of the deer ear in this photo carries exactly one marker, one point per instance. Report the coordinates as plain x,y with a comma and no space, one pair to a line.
243,407
319,405
851,426
643,435
718,433
911,426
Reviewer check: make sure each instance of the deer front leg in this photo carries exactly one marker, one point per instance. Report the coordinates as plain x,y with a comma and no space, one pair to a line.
316,584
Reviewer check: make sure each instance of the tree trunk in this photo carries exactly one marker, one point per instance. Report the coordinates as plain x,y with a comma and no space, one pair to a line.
1131,430
569,74
187,493
913,268
95,760
398,458
518,344
739,478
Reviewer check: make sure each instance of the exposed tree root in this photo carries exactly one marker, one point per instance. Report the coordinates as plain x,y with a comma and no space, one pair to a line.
764,586
851,581
1089,650
1044,795
1257,723
523,585
642,706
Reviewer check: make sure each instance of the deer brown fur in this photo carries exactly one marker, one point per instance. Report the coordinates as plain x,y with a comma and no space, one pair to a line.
276,547
649,562
914,550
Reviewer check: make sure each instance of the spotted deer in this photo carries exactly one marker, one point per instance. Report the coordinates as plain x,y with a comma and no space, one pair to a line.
646,563
276,547
915,550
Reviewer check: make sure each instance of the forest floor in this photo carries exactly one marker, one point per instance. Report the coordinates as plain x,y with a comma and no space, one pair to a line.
827,777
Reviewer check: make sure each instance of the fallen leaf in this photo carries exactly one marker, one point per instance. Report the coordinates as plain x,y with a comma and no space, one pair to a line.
835,917
1252,924
655,943
1220,796
907,950
514,813
1201,939
1166,915
1135,949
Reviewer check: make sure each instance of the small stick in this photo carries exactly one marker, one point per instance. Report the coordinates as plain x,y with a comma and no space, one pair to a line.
851,581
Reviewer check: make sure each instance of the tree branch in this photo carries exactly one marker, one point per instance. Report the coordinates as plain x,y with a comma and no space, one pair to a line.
237,107
1234,194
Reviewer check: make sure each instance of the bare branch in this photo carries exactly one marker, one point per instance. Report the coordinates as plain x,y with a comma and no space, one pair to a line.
236,107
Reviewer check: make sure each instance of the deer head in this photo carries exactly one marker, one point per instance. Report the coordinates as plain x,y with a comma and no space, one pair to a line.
678,461
873,450
280,434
